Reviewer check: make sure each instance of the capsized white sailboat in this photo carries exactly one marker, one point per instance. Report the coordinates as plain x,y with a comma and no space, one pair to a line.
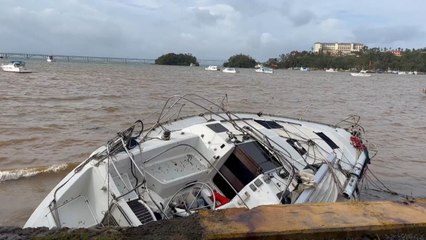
215,159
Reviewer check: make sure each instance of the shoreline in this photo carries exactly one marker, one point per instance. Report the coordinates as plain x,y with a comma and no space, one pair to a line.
342,220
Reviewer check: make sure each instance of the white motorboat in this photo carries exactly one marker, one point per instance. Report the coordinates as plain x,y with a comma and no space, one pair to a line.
264,70
229,70
212,68
362,73
304,69
216,159
49,59
331,70
15,66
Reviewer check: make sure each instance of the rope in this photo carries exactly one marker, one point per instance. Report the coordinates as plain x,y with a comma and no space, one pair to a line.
379,186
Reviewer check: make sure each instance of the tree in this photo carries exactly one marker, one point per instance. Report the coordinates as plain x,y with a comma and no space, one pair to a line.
240,61
177,59
373,59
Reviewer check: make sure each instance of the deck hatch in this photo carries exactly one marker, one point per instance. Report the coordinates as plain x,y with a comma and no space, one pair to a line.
269,124
217,127
327,140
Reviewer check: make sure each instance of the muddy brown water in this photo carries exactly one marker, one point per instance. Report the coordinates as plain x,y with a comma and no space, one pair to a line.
55,117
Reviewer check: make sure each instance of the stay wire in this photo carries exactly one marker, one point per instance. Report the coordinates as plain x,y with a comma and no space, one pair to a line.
372,179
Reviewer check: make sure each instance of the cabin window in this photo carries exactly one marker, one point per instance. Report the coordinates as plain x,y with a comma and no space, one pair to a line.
327,140
246,162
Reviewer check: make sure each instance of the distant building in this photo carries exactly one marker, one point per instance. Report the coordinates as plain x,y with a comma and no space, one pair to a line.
337,48
395,52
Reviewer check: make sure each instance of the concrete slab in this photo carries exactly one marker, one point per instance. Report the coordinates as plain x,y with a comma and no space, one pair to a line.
316,221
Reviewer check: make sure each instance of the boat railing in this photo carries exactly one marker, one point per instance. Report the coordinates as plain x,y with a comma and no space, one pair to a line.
110,161
131,188
176,102
352,125
133,162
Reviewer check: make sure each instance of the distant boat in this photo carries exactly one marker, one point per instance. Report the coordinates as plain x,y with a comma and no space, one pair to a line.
15,66
304,69
49,59
212,68
361,73
331,70
264,70
229,70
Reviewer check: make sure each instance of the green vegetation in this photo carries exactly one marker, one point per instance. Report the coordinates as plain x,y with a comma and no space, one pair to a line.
371,59
177,59
240,61
374,59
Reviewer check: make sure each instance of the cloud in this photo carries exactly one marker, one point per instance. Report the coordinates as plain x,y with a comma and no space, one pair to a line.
222,15
208,29
267,38
204,17
302,17
146,4
388,35
333,30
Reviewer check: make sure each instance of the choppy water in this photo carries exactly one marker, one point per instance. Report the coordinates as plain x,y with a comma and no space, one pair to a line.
55,117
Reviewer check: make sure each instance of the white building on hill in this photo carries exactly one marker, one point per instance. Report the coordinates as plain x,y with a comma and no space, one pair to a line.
337,48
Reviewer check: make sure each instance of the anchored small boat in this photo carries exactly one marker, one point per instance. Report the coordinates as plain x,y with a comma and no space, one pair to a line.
362,73
15,66
212,68
331,70
215,159
264,70
229,70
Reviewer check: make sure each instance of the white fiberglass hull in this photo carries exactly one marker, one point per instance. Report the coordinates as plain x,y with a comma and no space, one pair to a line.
11,68
264,70
360,74
212,161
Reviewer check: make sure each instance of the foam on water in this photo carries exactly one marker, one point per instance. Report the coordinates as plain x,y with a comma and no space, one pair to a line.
15,174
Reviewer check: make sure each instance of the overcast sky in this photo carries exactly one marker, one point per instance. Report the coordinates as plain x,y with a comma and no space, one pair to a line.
208,29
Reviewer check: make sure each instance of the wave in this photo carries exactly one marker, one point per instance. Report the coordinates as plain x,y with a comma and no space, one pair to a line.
16,142
15,174
62,98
